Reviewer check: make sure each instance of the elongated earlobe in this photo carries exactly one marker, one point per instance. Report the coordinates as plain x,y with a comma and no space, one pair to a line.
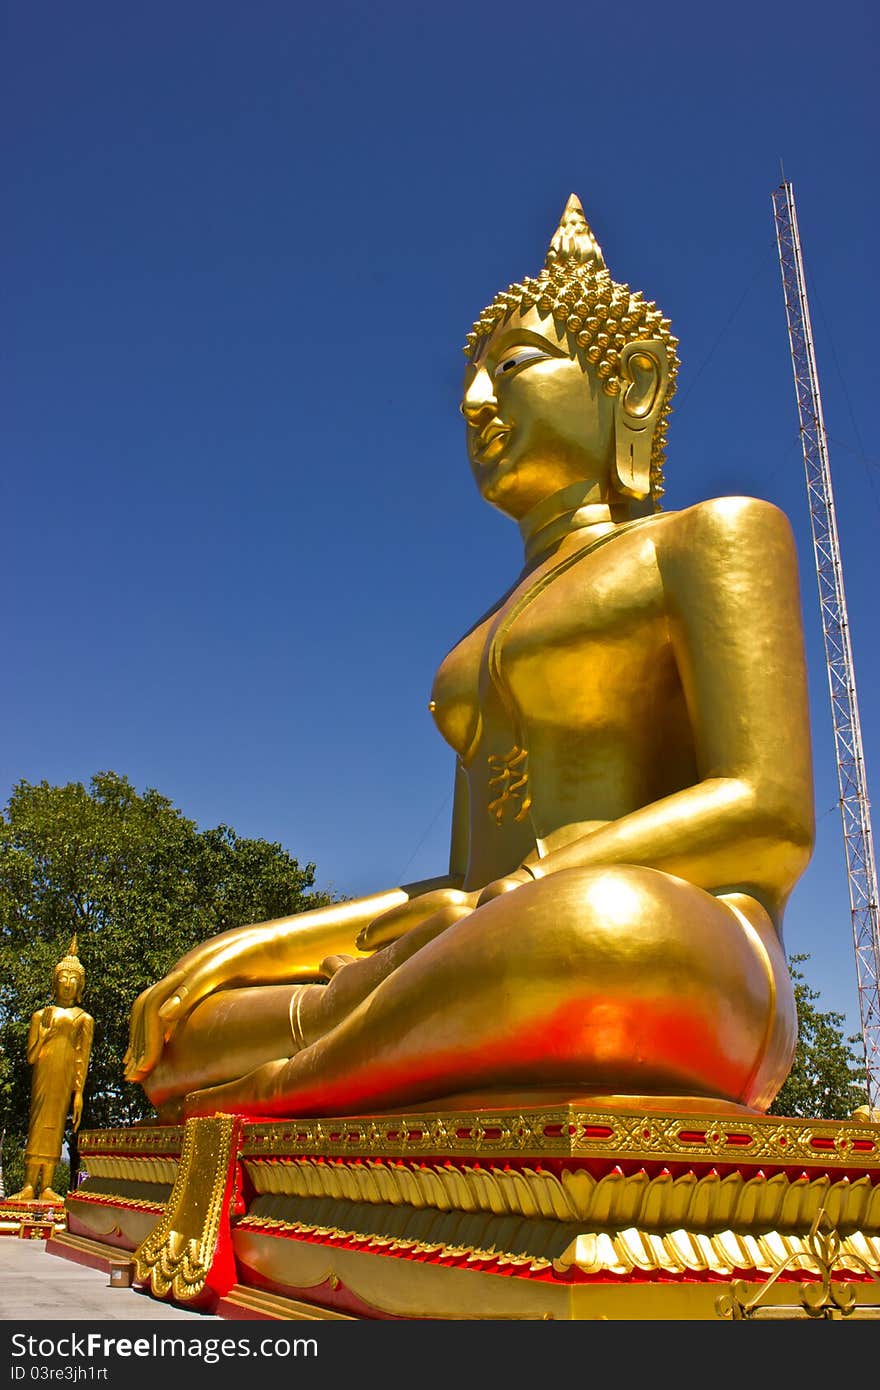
644,375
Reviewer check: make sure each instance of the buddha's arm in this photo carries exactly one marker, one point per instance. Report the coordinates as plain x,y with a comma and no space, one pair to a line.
284,951
83,1052
404,917
459,845
729,571
37,1034
81,1067
289,949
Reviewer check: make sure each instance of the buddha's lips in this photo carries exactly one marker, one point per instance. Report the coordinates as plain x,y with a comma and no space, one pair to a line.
488,436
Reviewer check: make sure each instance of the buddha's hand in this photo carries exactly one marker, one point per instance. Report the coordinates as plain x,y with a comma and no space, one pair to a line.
147,1033
77,1110
158,1010
390,926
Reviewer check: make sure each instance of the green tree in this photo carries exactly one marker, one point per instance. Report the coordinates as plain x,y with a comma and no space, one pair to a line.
139,884
827,1078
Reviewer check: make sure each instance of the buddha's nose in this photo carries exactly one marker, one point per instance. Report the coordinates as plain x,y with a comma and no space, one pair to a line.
479,398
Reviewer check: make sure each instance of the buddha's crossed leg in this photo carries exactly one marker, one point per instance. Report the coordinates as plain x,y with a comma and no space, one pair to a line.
621,979
235,1031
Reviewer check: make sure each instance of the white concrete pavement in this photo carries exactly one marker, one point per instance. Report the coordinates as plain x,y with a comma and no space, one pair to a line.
38,1287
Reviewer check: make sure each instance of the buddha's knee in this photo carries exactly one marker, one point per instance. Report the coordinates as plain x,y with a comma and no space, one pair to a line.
626,913
659,980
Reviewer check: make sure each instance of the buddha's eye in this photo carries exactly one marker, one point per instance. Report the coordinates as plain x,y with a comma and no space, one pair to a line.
518,357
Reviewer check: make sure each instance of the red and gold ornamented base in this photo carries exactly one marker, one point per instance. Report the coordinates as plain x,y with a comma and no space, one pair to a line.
556,1212
31,1220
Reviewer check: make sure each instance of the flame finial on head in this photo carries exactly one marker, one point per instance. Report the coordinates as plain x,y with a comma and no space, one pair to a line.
71,961
573,242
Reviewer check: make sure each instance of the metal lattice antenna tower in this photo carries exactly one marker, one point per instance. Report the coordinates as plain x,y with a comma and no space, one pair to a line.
854,804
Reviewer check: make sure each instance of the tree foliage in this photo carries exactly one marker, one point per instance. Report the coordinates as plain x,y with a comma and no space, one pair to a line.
827,1078
140,885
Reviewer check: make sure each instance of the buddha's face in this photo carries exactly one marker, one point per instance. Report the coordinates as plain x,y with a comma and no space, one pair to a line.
67,985
538,419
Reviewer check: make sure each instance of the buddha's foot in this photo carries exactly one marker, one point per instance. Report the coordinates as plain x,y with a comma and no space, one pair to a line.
49,1194
246,1096
316,1008
25,1195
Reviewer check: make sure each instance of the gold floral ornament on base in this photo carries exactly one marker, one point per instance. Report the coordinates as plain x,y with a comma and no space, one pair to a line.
827,1299
187,1255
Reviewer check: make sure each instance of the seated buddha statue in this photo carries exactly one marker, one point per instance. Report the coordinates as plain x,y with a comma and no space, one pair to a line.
633,797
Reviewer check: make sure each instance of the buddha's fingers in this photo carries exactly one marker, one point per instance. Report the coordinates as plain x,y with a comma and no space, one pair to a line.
392,925
135,1047
232,965
218,963
149,1032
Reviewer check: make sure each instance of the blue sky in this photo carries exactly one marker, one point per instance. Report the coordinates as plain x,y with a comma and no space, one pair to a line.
243,245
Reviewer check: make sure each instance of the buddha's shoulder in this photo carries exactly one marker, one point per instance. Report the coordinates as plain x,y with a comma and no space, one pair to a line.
748,522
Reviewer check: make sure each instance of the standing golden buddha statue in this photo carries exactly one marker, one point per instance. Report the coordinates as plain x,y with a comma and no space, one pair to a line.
58,1050
633,795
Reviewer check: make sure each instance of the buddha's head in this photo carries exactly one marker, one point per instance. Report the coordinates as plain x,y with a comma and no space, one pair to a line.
569,380
68,978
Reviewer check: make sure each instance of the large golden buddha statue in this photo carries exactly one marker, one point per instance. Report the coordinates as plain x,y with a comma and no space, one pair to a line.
633,797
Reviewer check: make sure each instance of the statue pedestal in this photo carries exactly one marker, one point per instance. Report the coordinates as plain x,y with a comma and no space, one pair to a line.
31,1220
564,1212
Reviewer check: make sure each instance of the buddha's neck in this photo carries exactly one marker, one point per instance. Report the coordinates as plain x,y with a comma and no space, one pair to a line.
577,507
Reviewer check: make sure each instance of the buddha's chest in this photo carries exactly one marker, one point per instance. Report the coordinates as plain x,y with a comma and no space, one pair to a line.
65,1029
576,645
